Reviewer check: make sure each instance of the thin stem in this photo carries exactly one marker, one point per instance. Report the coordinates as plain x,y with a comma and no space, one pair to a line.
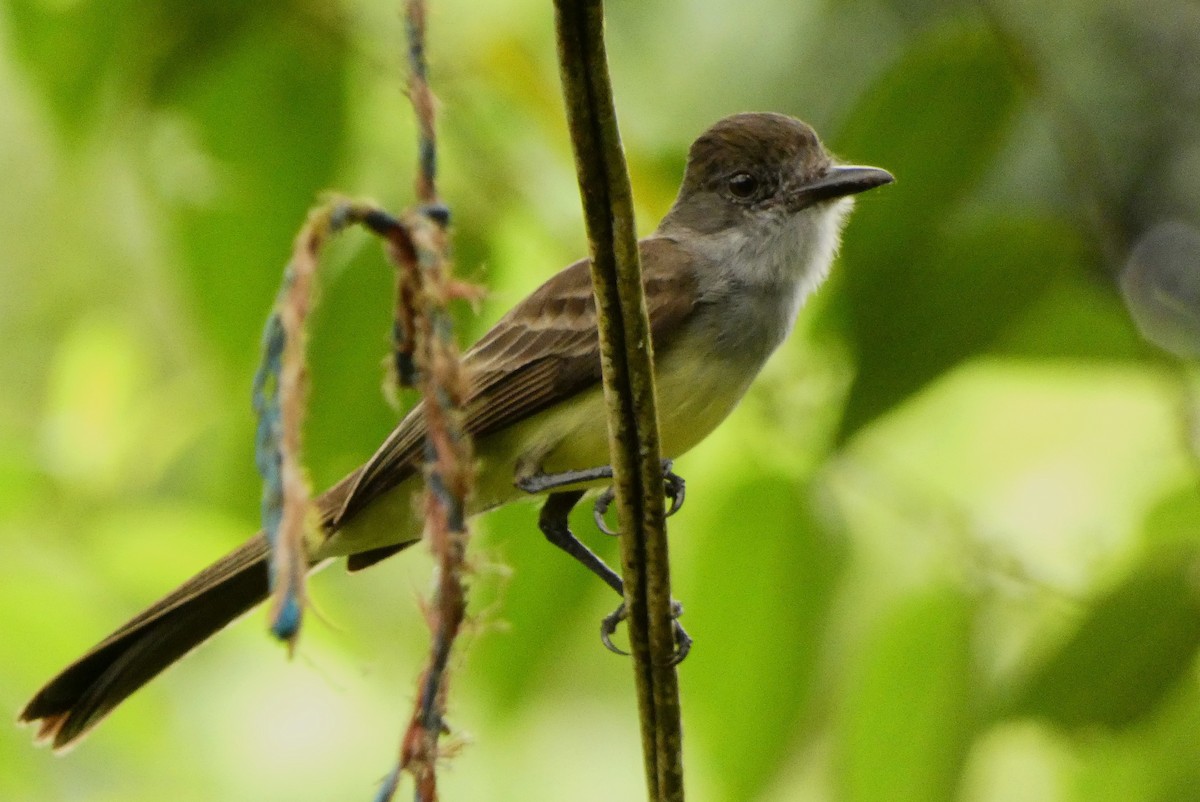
627,362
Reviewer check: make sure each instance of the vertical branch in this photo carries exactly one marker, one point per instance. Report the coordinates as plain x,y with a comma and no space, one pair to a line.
627,363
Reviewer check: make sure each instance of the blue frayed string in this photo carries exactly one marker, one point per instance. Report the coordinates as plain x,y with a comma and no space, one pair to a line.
287,619
439,213
387,788
268,457
403,361
428,157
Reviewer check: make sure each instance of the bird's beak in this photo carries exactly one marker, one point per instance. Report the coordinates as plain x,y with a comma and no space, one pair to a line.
837,182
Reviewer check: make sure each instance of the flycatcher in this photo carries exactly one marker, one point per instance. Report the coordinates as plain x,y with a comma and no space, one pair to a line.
752,233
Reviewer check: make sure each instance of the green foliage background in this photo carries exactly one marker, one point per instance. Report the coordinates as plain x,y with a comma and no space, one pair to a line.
946,549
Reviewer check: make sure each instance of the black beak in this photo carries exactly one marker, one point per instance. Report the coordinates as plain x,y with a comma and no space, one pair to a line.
839,181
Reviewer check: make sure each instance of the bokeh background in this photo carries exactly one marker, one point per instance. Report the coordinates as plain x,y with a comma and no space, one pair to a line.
947,549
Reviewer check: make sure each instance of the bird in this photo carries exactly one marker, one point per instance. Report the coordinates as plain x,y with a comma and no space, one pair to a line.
752,233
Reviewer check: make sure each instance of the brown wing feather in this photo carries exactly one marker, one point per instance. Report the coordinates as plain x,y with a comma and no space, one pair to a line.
539,354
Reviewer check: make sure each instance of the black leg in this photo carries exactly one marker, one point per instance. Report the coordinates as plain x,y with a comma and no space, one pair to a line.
554,525
553,521
540,483
544,482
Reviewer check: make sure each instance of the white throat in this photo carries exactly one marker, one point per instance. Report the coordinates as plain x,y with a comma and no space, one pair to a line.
797,250
788,254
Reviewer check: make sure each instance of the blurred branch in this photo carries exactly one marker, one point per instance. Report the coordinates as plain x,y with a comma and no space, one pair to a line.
426,352
280,399
426,356
281,382
627,363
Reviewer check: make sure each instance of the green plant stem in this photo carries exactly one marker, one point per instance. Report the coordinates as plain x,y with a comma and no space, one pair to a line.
627,364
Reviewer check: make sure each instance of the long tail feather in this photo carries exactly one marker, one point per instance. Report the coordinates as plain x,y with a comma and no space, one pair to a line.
87,690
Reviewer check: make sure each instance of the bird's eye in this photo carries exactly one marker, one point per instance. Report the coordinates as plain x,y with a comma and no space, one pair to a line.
743,185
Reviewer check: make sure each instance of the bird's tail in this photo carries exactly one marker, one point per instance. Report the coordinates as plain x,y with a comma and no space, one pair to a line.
85,691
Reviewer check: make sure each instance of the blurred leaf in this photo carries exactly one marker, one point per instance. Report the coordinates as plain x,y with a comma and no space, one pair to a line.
758,609
1155,762
1135,645
907,722
90,54
542,601
190,36
72,51
936,120
271,114
956,299
1175,521
1076,316
348,415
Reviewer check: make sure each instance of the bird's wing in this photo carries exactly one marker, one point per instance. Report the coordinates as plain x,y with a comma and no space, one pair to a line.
539,354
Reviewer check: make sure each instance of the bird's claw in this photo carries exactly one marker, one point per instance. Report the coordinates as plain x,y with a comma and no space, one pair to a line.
683,641
609,625
603,501
674,488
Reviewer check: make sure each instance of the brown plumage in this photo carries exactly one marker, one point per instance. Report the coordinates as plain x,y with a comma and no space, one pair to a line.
752,233
539,354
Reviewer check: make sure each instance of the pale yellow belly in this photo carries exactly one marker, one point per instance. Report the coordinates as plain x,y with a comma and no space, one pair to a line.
694,396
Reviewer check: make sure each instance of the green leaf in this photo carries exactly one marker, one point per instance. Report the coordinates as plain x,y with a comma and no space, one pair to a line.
1151,763
1175,521
72,52
1131,650
907,721
957,298
936,120
348,415
265,124
95,60
193,36
758,607
271,116
1076,317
